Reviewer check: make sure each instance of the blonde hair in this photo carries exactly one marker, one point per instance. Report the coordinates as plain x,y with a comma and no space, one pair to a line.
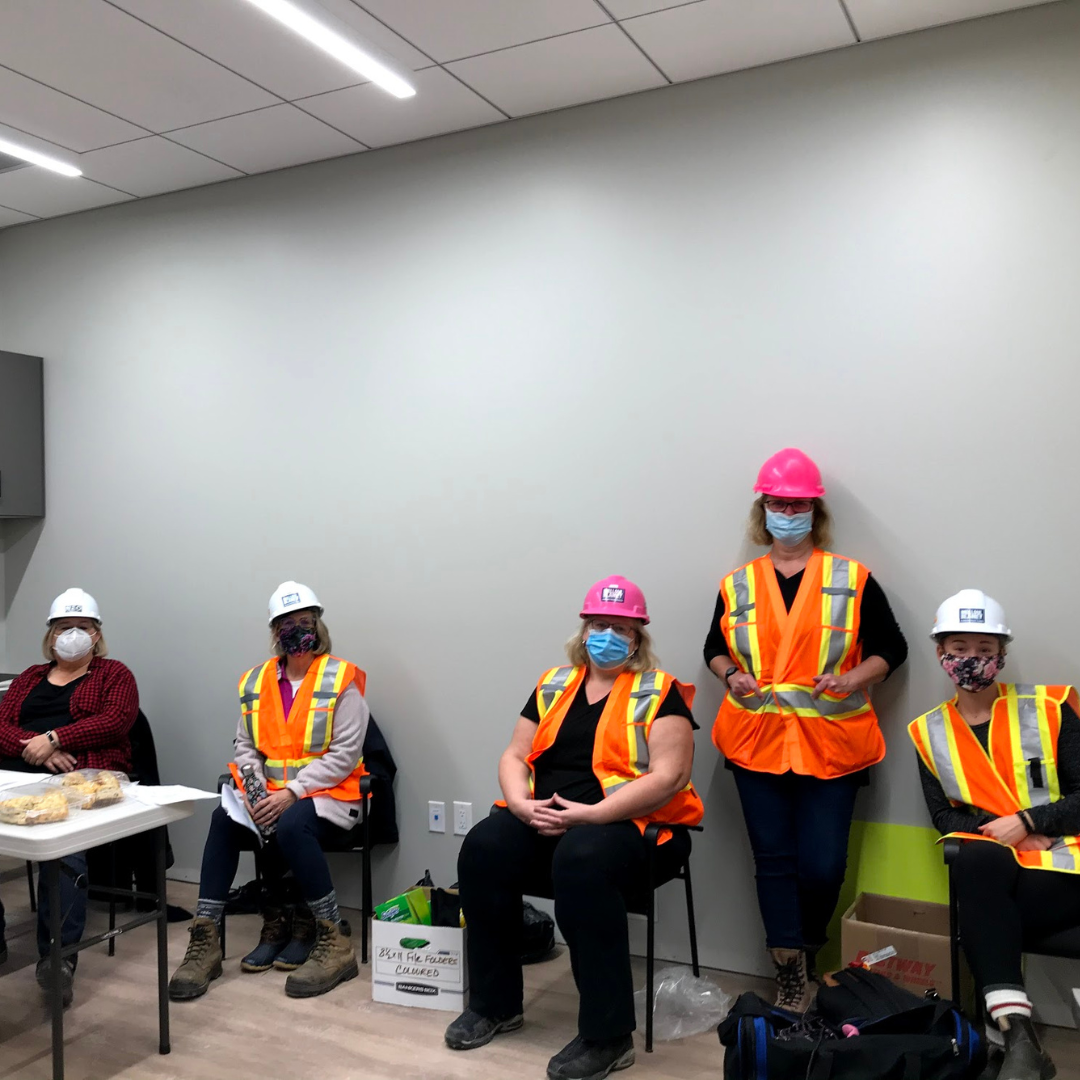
820,534
100,649
642,659
322,636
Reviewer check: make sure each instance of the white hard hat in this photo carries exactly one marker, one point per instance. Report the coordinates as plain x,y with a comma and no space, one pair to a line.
971,611
292,596
74,603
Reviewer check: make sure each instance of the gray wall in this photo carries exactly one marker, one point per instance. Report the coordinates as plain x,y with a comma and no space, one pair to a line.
451,384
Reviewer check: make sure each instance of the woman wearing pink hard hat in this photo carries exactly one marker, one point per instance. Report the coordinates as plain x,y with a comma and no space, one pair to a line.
603,746
798,637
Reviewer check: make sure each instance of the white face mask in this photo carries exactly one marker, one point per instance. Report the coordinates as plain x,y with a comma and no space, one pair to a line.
72,644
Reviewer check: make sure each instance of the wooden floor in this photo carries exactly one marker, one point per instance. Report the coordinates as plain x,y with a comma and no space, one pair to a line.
111,1030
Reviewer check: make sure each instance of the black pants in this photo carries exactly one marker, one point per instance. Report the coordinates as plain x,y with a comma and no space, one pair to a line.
798,827
296,846
1002,905
592,871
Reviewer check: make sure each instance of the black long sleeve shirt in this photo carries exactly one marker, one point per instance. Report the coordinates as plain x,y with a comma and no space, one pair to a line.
879,632
1061,818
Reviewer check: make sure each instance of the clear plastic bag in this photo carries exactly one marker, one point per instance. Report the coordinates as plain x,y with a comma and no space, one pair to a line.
32,804
86,789
683,1004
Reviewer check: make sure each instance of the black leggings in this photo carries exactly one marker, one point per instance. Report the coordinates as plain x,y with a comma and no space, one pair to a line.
1003,905
591,870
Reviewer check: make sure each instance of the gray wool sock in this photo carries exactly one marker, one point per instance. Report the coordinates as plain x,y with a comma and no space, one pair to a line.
210,909
326,907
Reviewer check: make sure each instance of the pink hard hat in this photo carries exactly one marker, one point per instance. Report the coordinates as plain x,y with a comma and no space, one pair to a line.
615,596
790,474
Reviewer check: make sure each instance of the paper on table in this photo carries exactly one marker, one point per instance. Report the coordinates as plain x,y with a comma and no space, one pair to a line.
236,808
166,794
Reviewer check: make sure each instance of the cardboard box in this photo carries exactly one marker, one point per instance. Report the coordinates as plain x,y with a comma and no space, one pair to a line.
918,930
429,976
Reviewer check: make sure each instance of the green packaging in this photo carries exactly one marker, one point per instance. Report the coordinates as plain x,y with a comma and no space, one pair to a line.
410,907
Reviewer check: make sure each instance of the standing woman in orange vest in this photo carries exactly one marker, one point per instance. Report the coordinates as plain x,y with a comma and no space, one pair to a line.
798,637
603,746
1000,763
299,747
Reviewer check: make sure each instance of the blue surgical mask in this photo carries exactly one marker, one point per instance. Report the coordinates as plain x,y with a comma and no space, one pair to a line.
607,649
789,528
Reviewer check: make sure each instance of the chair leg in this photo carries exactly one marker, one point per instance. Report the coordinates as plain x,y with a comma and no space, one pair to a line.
954,940
650,935
112,897
691,924
366,902
222,935
30,883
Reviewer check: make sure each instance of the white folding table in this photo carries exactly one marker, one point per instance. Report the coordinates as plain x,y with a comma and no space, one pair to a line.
46,844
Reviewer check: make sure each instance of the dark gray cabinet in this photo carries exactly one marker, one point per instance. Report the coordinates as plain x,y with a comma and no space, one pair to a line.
22,436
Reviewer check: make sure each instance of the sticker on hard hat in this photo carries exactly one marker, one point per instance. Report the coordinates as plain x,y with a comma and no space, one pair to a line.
612,595
70,608
973,614
290,598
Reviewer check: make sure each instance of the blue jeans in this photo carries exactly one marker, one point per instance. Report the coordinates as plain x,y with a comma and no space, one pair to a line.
72,904
798,827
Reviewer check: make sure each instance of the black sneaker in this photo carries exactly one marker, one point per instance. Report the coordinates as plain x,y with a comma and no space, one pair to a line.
3,949
471,1030
586,1059
67,978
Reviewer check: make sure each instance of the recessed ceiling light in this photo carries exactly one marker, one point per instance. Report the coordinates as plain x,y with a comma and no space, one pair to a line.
46,162
317,25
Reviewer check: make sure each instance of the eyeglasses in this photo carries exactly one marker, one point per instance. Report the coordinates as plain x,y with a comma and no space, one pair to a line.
798,506
599,625
305,622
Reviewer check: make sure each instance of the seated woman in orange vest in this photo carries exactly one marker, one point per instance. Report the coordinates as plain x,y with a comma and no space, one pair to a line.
603,746
1000,762
798,637
298,757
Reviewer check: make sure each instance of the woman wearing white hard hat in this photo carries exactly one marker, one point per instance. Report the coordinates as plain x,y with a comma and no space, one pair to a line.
798,637
299,761
1000,767
75,711
578,796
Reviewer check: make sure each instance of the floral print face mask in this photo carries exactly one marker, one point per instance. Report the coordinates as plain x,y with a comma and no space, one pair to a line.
973,673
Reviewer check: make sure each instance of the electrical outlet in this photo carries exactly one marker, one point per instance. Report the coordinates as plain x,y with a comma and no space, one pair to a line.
436,813
462,818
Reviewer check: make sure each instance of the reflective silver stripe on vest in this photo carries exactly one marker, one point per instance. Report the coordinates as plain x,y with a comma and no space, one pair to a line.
1027,712
322,699
939,750
802,699
838,610
1062,857
249,696
741,580
551,688
643,699
274,772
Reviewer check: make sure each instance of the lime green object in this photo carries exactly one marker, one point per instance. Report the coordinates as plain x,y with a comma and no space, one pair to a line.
893,860
410,907
414,942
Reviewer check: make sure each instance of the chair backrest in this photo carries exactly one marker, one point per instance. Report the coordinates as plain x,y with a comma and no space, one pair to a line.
379,762
144,763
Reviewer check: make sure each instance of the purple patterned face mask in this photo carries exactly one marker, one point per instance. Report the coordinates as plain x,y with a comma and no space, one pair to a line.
296,640
973,673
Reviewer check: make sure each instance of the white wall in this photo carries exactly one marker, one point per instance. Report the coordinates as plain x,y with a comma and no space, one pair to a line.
451,384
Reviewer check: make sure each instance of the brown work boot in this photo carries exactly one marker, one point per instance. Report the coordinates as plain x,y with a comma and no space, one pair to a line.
201,964
794,991
332,961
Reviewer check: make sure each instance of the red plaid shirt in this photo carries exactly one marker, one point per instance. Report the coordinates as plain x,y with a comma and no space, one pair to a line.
104,706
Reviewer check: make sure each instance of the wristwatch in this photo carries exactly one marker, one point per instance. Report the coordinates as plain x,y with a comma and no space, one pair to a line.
730,671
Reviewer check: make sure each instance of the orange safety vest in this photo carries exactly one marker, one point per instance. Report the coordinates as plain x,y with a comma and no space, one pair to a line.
290,744
621,747
785,728
1019,772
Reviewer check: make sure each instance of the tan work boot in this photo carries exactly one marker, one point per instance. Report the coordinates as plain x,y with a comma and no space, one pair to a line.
201,964
332,961
793,990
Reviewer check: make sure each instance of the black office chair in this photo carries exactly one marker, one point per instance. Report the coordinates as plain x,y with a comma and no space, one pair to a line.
1064,944
645,904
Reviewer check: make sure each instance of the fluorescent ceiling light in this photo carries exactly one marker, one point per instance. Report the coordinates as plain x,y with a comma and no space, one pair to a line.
24,153
330,34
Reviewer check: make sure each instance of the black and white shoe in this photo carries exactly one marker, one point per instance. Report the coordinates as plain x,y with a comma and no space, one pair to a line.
586,1059
471,1030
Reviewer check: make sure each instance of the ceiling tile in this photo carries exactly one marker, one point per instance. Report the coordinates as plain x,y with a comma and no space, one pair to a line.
31,107
46,194
252,44
453,29
152,166
880,18
268,139
566,70
12,217
103,56
367,113
726,35
627,9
